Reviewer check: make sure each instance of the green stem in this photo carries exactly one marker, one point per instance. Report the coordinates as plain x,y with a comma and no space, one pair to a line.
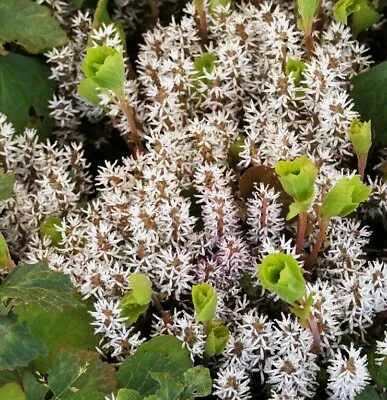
317,246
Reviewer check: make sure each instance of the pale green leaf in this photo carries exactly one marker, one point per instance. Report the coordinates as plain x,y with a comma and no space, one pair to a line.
7,181
128,394
89,90
364,18
12,391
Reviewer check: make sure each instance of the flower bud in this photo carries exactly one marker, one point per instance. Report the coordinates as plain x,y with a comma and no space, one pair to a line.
280,273
344,197
361,137
204,298
297,178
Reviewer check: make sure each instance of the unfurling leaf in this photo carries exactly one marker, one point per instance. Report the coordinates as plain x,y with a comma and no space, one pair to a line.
217,340
364,18
344,8
344,197
137,300
204,298
361,136
307,10
105,67
295,68
5,258
281,274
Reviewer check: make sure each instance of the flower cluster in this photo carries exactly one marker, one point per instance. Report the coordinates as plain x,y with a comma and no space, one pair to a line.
175,212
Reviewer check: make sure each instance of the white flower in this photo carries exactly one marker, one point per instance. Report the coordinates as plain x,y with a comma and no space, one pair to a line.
348,374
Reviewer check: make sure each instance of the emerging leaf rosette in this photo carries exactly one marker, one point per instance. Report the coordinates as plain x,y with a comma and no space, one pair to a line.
297,178
104,67
280,273
344,197
217,340
361,137
204,298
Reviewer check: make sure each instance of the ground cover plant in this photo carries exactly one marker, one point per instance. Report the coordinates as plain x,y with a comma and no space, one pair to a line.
193,199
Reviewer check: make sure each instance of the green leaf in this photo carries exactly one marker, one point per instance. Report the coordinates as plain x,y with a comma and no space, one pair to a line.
204,298
364,18
105,67
361,136
12,391
170,387
25,90
59,329
369,393
370,97
88,394
101,15
75,370
344,197
10,376
7,181
281,274
17,346
30,25
217,340
160,354
33,389
5,258
295,68
343,8
128,394
37,283
199,4
307,9
197,383
137,300
89,90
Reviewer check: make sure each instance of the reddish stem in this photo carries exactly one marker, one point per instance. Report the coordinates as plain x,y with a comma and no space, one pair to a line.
302,221
128,111
203,26
315,332
323,224
361,165
154,11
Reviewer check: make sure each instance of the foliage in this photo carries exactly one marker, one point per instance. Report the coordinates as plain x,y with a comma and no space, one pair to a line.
204,298
344,197
37,283
17,347
281,274
295,68
104,67
80,371
30,25
297,178
12,390
307,10
360,135
25,91
5,258
370,97
7,181
137,300
162,367
217,340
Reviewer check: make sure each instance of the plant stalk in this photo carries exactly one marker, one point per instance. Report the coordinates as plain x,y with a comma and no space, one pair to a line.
361,165
323,224
154,11
302,222
129,114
